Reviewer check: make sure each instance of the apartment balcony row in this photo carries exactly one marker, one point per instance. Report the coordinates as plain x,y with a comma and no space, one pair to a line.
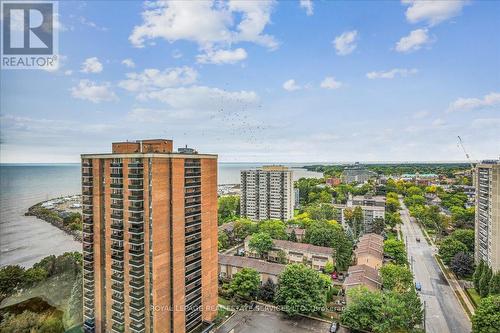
136,197
88,276
88,257
136,219
137,327
117,226
137,282
136,272
118,287
137,305
118,318
116,164
136,208
193,321
136,239
117,235
137,262
137,315
117,205
137,175
137,294
88,211
117,277
89,325
87,184
89,267
193,211
194,267
117,246
191,258
89,240
135,165
192,174
193,229
116,175
88,295
88,286
192,184
136,186
192,193
88,228
118,307
192,202
87,192
117,297
118,328
195,164
136,230
191,239
116,185
117,215
193,297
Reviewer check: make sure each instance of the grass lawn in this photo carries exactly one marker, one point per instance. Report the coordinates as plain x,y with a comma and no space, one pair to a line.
473,295
225,302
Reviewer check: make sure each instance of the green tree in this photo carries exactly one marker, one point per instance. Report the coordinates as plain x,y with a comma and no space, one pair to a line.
354,219
396,277
392,204
11,278
228,208
484,282
261,243
449,247
414,190
245,283
486,318
243,228
322,211
378,225
477,275
275,228
321,233
267,291
223,241
396,250
300,290
462,264
495,284
329,267
34,275
393,219
392,195
465,236
293,236
342,251
414,200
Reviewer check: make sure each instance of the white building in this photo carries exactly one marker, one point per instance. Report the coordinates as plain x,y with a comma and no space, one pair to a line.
487,223
267,193
373,207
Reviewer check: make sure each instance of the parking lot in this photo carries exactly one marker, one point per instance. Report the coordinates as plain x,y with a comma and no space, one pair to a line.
255,321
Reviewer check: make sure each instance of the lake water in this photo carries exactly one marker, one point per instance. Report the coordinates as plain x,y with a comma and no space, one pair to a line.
24,240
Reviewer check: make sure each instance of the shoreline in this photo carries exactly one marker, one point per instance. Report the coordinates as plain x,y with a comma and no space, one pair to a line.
41,213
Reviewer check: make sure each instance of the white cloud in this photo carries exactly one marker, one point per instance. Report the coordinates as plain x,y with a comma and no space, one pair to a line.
308,6
91,65
128,63
346,42
465,104
201,98
176,54
154,79
330,83
91,91
222,56
414,41
391,74
91,24
217,23
420,114
291,85
68,72
486,123
432,12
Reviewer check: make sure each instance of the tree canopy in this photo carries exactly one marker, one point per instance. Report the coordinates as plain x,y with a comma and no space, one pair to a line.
245,283
487,316
261,243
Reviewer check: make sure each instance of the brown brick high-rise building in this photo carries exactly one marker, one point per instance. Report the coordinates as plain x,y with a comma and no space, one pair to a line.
149,238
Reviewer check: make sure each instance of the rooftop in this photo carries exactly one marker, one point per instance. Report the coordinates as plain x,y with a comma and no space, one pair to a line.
363,275
260,266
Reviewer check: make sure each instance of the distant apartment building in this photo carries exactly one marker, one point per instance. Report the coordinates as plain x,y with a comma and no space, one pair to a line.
373,207
314,256
267,193
356,173
149,239
229,265
296,194
424,179
487,221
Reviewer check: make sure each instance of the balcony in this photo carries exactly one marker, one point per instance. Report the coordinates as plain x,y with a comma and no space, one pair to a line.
117,256
116,175
117,277
136,208
117,216
137,295
87,173
89,295
117,307
87,191
87,184
135,175
89,276
137,327
136,218
117,247
116,195
136,240
192,184
117,236
88,228
88,220
136,186
89,286
117,287
135,272
137,305
137,283
88,240
137,262
87,211
118,318
135,165
116,185
118,226
118,328
117,266
88,267
136,251
117,205
136,197
137,315
88,257
192,174
117,297
136,230
192,165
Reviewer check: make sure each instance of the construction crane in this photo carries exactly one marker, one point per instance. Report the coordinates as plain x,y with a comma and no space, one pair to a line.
461,144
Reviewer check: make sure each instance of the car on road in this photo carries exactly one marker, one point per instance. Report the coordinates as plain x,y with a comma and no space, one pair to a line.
418,239
418,286
334,327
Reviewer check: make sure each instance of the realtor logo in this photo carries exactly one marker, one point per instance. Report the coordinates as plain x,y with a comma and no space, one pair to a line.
28,36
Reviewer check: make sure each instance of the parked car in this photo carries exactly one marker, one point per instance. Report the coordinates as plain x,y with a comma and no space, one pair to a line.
334,327
418,286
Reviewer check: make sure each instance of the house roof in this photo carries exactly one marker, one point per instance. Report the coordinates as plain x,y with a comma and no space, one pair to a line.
303,247
363,275
260,266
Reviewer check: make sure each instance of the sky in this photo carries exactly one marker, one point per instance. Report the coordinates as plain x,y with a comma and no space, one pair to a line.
264,81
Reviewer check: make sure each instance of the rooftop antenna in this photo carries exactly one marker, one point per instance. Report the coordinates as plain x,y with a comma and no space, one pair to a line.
461,144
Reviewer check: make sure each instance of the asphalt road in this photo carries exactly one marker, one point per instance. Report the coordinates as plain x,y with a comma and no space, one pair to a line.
444,313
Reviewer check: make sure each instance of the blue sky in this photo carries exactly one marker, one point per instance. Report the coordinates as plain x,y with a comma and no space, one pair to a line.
293,81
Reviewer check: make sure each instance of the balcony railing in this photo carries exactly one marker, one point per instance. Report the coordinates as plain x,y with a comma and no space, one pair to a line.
137,262
117,236
118,318
117,287
116,195
137,283
136,230
135,165
137,305
117,307
117,297
117,226
115,185
135,175
136,186
117,266
136,272
117,277
136,218
136,197
137,315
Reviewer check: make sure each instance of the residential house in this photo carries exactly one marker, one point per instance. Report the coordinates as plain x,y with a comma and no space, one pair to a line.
230,265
